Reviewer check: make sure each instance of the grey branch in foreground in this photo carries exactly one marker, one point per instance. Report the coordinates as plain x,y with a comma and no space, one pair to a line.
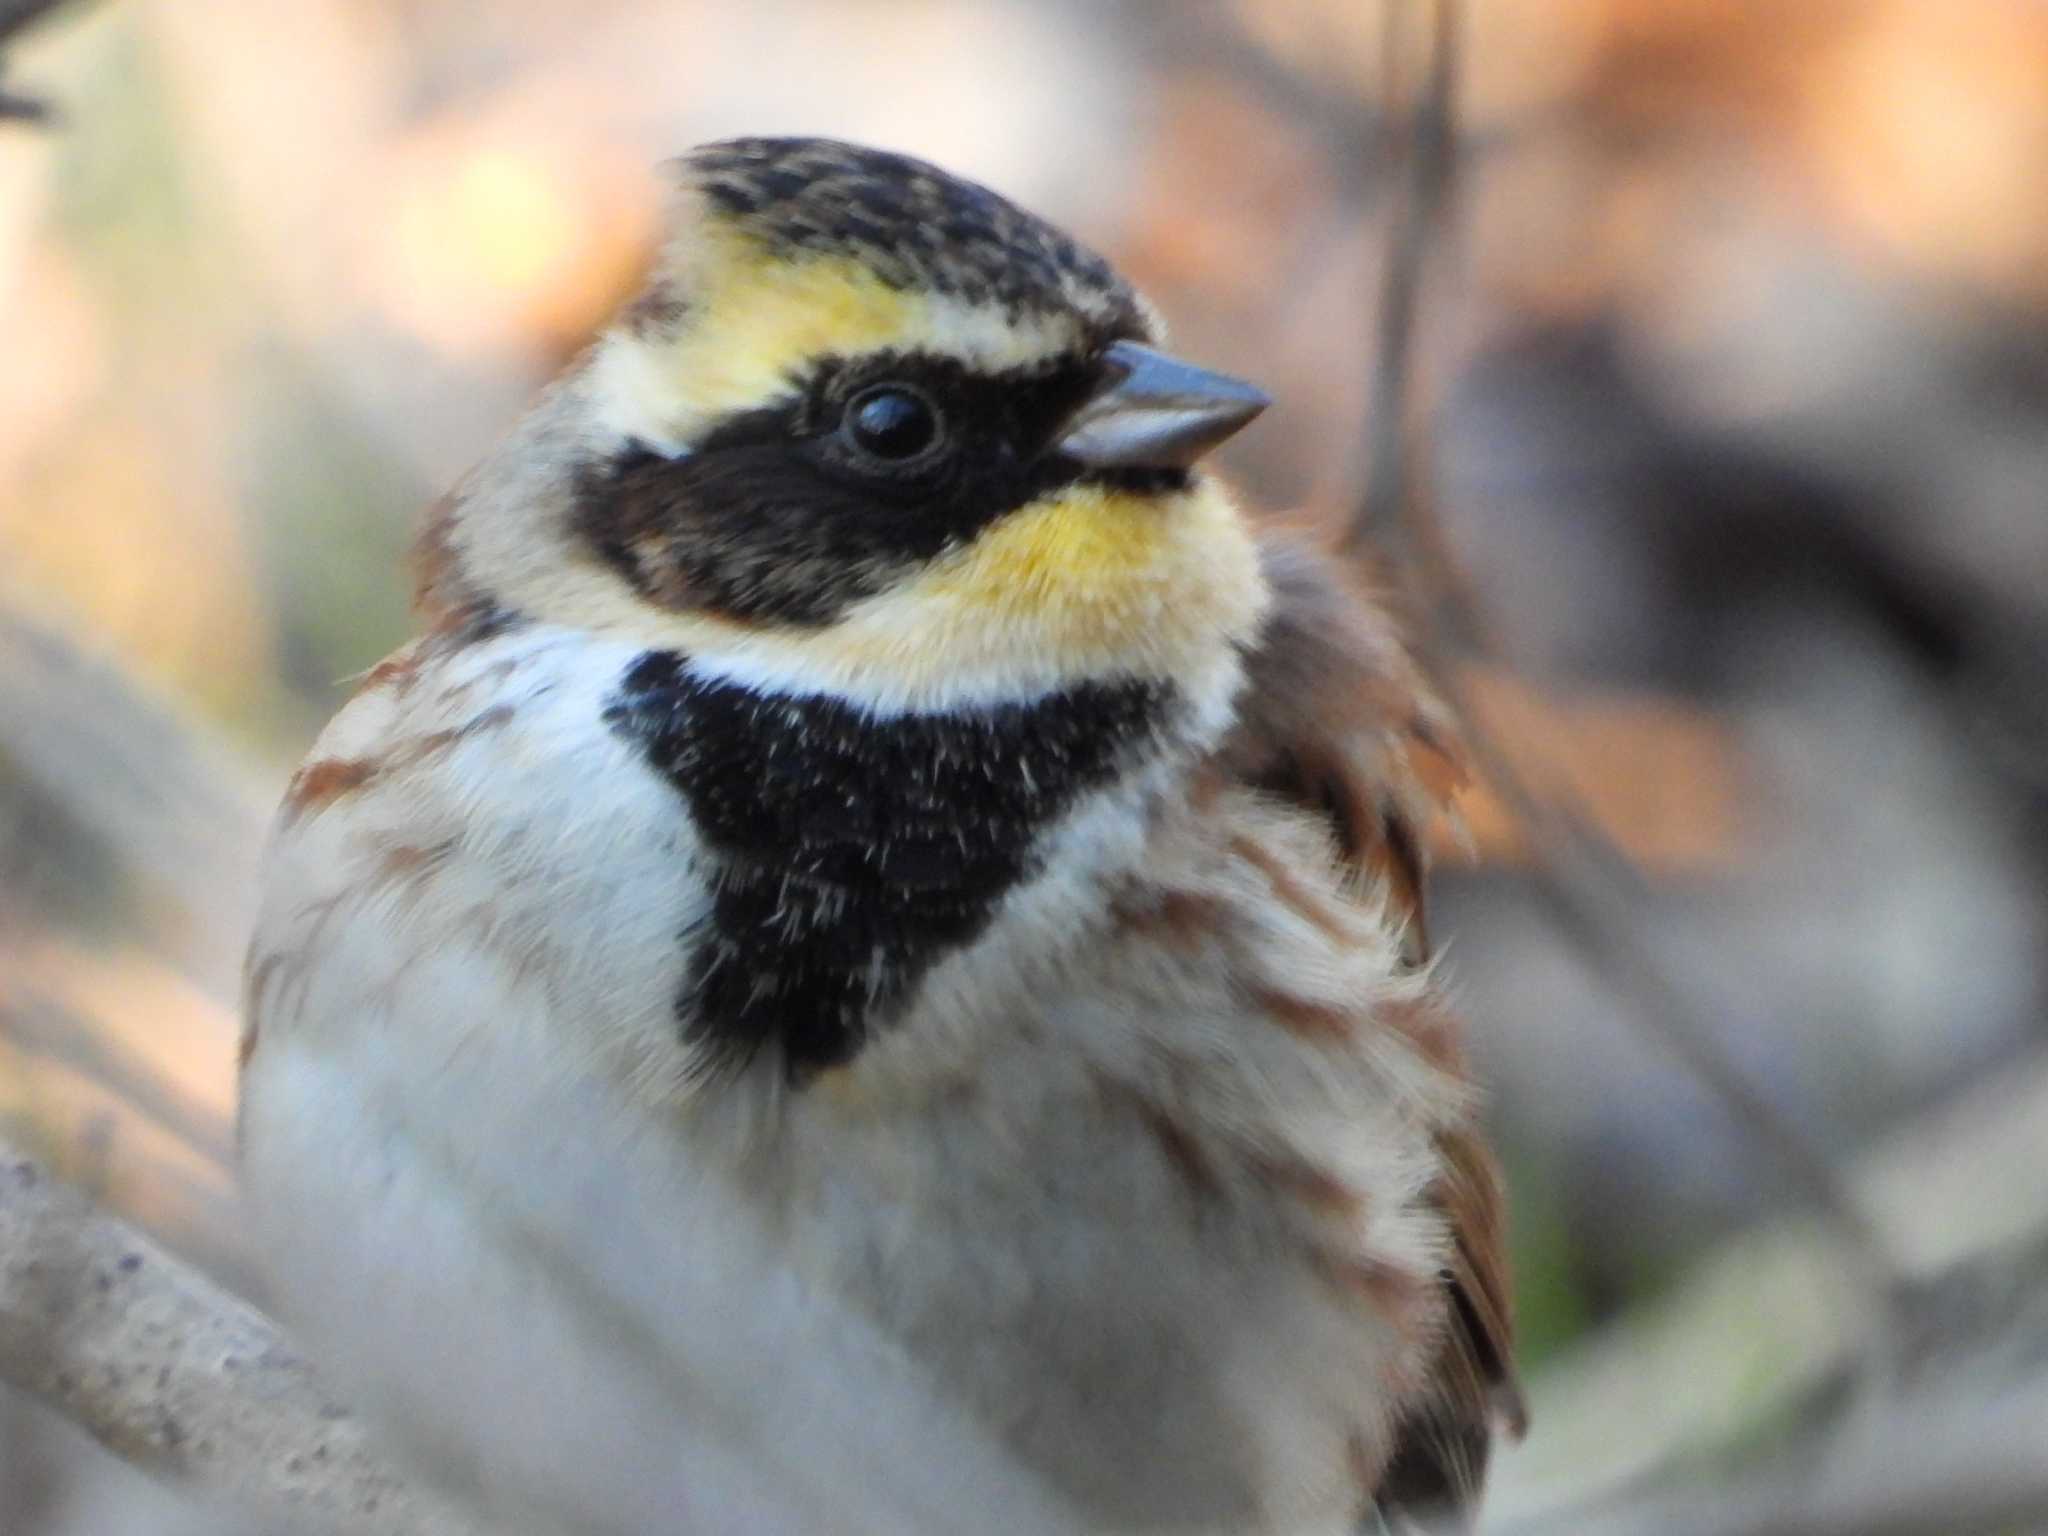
1957,1466
176,1376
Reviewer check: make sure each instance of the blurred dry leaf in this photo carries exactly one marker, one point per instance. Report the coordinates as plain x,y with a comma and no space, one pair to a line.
1663,782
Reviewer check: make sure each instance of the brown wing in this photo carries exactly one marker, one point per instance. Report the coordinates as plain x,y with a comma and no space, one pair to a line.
1337,717
1439,1465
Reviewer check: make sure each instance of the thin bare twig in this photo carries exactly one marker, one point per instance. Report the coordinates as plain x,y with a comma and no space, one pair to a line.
1431,157
1591,891
178,1377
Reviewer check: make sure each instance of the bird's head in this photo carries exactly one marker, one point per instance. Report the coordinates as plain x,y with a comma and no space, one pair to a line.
875,432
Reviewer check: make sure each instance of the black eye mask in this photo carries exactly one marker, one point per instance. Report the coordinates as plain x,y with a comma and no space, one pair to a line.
792,512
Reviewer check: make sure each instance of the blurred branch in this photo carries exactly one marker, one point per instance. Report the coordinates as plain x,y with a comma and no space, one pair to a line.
123,1073
1947,1464
1757,1339
1427,146
176,1376
1592,893
122,769
1587,886
17,16
42,1027
1210,37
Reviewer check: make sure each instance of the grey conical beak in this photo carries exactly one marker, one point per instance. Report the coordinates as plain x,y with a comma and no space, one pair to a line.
1156,412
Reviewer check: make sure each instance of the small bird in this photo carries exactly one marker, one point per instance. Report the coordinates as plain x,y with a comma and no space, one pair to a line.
866,973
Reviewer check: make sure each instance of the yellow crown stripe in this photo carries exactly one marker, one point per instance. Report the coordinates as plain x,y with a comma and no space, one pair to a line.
756,320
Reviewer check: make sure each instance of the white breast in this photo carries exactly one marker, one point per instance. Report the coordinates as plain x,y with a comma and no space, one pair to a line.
604,1295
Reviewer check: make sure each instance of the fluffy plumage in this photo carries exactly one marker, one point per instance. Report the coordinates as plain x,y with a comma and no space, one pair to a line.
839,995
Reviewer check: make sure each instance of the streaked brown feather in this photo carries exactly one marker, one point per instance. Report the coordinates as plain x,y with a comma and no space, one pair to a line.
1338,717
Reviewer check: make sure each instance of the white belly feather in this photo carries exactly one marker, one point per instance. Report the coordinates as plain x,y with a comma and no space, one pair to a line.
956,1291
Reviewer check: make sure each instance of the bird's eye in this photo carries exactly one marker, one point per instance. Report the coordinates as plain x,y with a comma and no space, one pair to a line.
892,422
